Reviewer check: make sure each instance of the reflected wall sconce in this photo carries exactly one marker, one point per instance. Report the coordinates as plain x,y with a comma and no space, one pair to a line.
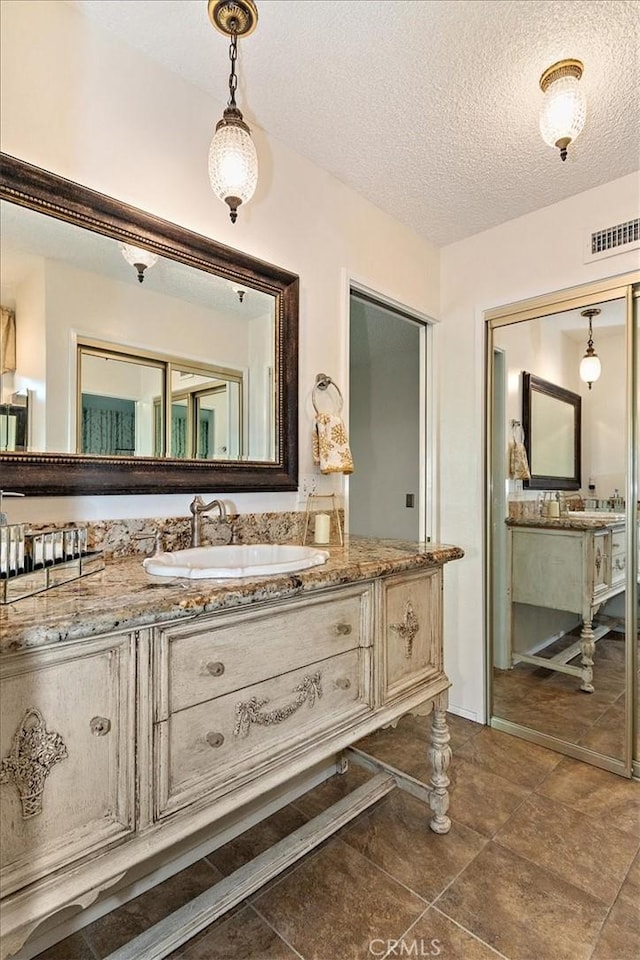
564,108
590,366
233,162
138,258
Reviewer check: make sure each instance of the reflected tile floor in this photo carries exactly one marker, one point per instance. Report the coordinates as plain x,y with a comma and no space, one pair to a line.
542,863
552,703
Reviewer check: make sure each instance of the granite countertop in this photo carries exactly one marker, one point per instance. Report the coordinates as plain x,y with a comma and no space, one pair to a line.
564,523
123,595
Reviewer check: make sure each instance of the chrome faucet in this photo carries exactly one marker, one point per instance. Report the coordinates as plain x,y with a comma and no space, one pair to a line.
197,508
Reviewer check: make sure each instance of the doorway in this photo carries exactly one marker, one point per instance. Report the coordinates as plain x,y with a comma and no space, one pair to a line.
387,420
562,524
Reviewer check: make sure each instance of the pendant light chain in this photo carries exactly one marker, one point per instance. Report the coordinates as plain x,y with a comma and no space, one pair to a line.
233,56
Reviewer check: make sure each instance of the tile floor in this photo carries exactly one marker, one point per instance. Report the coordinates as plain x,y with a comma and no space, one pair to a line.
541,863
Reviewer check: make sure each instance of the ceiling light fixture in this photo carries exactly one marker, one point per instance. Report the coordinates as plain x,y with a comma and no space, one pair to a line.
564,109
233,162
590,366
138,258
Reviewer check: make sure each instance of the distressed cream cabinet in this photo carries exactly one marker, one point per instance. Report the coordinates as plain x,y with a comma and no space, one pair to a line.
118,748
567,569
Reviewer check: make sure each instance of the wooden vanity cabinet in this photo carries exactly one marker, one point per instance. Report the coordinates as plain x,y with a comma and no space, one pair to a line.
161,734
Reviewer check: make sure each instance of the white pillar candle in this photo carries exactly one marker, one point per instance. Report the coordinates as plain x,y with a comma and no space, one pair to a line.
322,528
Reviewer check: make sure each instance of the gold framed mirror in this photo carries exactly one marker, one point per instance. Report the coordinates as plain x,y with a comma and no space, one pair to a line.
209,336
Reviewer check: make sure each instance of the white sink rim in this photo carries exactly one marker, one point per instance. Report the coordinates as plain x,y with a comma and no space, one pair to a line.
234,561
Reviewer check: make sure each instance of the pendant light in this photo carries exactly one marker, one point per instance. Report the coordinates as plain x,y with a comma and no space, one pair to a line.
138,258
564,109
233,162
590,366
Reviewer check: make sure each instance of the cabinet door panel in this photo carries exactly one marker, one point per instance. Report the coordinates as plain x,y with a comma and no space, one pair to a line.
411,631
66,743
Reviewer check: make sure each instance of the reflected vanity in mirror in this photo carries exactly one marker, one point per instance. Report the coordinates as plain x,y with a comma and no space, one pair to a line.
551,419
149,359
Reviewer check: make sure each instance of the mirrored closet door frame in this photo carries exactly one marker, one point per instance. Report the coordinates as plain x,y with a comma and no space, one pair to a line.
627,288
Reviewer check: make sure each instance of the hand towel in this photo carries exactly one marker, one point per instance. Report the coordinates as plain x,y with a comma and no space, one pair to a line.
331,445
518,463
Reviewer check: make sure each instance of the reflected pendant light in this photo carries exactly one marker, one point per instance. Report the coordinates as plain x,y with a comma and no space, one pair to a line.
233,162
564,109
138,258
590,366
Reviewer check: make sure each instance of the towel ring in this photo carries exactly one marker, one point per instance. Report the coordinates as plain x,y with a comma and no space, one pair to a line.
323,382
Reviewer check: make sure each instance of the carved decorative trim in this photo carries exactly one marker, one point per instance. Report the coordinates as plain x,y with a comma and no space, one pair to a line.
34,751
408,629
248,711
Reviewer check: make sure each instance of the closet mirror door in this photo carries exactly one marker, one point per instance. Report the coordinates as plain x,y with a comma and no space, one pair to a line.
559,641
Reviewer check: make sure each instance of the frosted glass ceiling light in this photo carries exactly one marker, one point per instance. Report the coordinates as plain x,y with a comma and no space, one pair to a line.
590,366
564,109
233,162
138,258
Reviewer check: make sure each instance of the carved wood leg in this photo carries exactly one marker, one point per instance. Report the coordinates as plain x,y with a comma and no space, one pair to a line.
440,758
587,647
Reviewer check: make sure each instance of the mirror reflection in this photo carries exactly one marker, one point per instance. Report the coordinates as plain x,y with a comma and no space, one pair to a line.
558,555
552,431
119,352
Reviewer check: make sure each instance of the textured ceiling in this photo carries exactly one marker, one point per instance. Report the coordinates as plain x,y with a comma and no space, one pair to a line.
428,109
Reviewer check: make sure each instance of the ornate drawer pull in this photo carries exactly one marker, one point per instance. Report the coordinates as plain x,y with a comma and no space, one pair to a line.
248,711
33,752
215,669
407,629
100,726
215,739
343,629
343,683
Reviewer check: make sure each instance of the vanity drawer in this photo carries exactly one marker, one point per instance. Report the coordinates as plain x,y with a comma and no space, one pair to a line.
618,542
236,650
211,748
410,631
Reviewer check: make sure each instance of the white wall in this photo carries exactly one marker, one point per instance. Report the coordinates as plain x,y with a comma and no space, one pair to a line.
532,255
68,104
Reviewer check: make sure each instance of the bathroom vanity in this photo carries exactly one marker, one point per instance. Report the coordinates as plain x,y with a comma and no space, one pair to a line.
572,564
139,714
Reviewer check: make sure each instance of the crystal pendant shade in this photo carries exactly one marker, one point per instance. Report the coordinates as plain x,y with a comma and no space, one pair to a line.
138,258
563,111
233,164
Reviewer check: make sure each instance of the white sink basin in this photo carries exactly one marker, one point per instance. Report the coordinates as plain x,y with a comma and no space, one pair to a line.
245,560
597,515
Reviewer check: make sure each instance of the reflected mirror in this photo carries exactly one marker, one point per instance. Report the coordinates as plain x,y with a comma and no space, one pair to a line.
171,361
551,418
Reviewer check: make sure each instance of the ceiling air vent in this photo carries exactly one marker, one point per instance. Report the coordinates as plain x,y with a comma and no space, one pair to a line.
618,239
